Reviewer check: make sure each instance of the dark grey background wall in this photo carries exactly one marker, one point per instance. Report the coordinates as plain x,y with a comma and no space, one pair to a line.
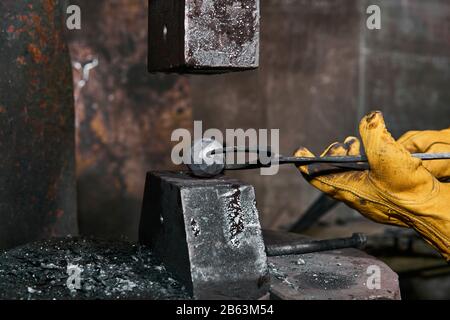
124,115
321,71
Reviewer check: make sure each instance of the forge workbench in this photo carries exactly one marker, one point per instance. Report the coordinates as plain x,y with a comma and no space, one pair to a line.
331,275
122,270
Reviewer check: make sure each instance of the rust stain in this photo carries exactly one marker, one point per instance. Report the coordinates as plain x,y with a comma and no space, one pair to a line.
52,191
99,128
84,162
59,213
21,60
49,8
23,18
2,109
37,21
43,105
39,30
36,53
39,127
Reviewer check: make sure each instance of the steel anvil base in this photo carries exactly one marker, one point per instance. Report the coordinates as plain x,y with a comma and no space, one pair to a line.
207,233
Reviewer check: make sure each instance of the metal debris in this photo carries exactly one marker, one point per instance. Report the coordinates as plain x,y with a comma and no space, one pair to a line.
110,270
301,262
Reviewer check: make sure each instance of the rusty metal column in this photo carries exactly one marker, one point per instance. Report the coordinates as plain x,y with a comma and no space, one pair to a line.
37,170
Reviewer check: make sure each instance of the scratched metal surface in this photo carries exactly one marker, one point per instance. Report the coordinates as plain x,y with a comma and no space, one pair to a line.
211,36
37,160
124,115
207,232
222,33
330,275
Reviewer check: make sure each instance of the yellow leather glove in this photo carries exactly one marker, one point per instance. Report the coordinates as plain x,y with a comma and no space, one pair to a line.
397,190
430,142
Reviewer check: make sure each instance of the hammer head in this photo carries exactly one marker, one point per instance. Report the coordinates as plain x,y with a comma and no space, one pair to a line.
208,37
206,159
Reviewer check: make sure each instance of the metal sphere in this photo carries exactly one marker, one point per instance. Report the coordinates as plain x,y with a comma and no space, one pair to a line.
203,163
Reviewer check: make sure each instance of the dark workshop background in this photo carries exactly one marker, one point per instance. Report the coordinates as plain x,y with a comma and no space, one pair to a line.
321,71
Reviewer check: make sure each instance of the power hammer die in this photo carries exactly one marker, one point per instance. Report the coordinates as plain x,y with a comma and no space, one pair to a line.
210,36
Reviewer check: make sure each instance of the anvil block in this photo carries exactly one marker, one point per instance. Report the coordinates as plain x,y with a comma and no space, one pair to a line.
207,233
209,36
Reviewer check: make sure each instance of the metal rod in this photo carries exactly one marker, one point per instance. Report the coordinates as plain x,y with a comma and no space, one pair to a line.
347,162
353,159
358,240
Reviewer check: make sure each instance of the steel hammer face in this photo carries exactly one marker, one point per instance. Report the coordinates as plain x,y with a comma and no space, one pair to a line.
211,36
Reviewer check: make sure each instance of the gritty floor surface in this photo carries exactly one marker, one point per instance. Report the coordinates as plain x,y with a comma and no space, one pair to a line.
107,270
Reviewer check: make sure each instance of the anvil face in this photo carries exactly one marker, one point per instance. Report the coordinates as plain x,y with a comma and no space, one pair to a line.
207,233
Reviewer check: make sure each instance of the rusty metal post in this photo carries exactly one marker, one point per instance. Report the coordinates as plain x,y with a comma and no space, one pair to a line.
37,172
